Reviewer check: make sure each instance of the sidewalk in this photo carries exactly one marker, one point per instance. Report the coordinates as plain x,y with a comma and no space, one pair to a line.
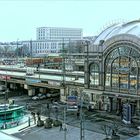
92,128
125,130
32,132
72,133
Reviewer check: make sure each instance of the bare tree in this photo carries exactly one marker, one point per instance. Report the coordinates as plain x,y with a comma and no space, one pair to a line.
107,131
7,50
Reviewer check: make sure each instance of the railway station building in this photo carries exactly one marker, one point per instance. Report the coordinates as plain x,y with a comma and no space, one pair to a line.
112,68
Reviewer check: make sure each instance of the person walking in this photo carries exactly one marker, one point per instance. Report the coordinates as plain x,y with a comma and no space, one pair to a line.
61,128
29,121
78,113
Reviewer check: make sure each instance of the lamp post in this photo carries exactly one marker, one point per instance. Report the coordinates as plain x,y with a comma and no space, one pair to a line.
31,51
17,50
64,85
6,91
65,129
82,135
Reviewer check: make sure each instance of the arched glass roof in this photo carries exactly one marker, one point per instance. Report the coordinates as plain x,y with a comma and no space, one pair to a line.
132,27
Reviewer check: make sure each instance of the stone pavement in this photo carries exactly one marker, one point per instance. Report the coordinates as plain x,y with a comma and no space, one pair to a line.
101,118
93,130
72,133
135,138
33,132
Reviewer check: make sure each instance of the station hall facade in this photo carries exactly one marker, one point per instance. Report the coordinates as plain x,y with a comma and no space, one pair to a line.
112,68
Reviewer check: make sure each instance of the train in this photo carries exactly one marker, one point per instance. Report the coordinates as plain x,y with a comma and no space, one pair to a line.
34,61
48,61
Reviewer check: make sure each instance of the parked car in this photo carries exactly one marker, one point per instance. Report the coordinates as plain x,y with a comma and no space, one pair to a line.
48,95
39,96
51,95
55,94
35,98
42,96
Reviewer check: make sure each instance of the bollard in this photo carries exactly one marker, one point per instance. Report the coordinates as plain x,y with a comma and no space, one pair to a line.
138,129
29,121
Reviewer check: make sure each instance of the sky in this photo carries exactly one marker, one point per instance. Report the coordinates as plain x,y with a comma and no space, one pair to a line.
20,18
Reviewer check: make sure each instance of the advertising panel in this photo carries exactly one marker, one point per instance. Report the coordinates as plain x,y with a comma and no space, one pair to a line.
32,81
127,114
72,103
5,77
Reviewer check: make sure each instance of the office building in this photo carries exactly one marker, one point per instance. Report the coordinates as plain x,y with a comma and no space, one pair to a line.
50,40
58,33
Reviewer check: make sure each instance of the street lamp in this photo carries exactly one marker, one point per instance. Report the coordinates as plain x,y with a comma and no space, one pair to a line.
82,135
31,50
65,129
17,50
6,91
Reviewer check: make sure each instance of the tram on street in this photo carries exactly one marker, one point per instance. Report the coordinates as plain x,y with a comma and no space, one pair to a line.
10,115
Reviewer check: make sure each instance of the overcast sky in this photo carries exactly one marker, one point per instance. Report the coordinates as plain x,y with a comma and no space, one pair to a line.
20,18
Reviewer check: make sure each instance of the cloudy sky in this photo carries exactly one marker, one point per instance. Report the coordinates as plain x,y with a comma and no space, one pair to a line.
20,18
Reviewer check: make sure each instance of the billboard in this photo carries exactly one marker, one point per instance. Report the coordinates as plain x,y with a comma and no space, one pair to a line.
72,103
5,77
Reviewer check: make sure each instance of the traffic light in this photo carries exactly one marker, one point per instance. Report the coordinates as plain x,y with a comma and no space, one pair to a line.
126,113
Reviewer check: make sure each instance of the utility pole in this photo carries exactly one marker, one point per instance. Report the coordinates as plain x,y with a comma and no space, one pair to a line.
63,65
65,128
64,85
17,51
6,92
31,53
82,134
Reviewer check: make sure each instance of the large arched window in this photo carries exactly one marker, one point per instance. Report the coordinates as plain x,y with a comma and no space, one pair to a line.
94,74
122,70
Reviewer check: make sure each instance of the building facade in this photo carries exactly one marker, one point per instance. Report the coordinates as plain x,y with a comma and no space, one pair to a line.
58,33
112,68
51,39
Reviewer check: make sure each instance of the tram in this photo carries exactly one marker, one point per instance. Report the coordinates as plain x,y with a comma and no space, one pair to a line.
10,115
